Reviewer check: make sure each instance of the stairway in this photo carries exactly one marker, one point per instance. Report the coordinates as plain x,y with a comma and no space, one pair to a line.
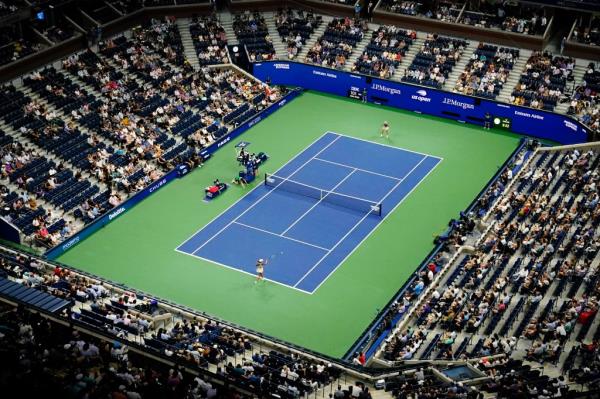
578,73
360,47
188,43
226,20
410,55
316,35
459,68
514,76
278,43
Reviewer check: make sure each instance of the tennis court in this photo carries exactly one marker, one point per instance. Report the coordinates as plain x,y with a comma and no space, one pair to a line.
311,214
138,248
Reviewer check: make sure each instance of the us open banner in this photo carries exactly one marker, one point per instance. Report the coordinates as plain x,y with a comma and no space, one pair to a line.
522,120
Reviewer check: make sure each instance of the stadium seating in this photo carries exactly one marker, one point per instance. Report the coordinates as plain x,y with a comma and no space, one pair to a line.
336,44
384,53
209,41
295,27
515,287
528,285
487,71
435,60
79,118
252,32
191,342
543,81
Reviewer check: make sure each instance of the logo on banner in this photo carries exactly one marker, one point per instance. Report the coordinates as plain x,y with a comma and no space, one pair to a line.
158,185
456,103
224,141
529,115
326,74
282,66
116,213
71,243
570,125
421,96
254,121
391,90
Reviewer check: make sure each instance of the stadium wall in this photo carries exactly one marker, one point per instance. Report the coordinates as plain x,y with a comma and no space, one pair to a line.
466,109
163,181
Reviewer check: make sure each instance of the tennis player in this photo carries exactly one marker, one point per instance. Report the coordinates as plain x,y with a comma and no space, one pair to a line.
385,130
260,270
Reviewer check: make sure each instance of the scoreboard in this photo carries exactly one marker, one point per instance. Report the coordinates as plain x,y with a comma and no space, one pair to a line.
502,122
355,92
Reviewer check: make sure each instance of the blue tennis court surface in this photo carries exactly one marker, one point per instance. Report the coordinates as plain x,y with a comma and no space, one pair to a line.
314,213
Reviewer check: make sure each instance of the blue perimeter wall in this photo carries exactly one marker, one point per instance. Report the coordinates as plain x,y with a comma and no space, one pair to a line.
179,171
527,121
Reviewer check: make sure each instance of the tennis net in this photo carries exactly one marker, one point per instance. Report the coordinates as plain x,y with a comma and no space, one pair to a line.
343,200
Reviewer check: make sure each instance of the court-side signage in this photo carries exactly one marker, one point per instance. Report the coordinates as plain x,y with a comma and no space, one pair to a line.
527,121
152,188
110,216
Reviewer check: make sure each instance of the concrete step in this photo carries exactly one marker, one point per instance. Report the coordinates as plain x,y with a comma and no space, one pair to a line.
278,43
188,42
358,51
226,20
409,56
317,34
459,68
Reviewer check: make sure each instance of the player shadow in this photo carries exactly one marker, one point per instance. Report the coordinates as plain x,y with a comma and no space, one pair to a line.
263,289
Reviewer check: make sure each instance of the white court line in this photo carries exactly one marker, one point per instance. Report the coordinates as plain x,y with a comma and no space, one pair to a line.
376,227
318,202
255,188
356,225
262,198
280,235
385,145
242,271
359,169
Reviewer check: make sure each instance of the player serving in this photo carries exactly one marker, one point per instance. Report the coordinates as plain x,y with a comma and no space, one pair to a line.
260,270
385,130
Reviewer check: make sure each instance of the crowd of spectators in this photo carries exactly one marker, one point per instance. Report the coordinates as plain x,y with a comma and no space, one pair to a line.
40,356
446,10
530,278
484,14
210,40
486,71
8,7
337,43
423,383
500,15
384,53
14,47
253,33
434,61
148,112
191,342
584,102
543,81
588,33
295,27
402,7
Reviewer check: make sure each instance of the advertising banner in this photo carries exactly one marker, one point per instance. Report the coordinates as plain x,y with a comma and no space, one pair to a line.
466,109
